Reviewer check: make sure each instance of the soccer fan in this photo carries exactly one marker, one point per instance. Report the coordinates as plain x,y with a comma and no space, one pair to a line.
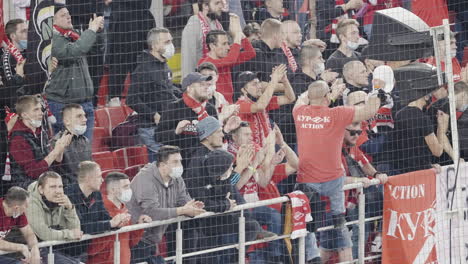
348,34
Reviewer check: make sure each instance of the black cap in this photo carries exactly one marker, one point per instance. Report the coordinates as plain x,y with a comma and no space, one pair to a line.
218,162
58,6
194,77
244,78
398,35
415,80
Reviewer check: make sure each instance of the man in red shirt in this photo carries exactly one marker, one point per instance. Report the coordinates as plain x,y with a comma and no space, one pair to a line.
101,250
257,101
320,132
224,57
12,208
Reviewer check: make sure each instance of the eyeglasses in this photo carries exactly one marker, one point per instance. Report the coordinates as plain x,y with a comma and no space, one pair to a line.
354,132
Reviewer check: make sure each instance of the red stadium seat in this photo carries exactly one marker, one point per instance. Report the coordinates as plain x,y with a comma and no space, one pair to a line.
100,140
110,117
131,156
132,171
105,159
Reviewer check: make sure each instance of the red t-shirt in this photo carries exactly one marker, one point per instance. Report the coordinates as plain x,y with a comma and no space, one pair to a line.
455,66
431,11
8,222
320,133
224,66
259,122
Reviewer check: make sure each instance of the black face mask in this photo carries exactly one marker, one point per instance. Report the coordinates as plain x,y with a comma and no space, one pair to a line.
252,98
212,16
49,204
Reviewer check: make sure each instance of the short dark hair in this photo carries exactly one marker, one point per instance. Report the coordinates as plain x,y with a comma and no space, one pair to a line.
25,102
251,28
153,35
114,177
461,87
212,37
47,175
164,152
11,25
16,195
207,66
69,107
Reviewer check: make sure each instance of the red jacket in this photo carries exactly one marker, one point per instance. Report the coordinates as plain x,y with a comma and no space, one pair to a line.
101,250
224,65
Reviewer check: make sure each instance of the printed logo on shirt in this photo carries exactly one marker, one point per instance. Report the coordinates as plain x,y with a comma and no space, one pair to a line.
315,122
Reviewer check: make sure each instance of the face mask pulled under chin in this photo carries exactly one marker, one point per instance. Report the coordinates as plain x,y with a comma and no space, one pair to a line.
125,196
35,123
352,45
79,130
319,68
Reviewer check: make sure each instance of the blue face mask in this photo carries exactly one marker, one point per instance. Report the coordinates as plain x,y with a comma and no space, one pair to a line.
23,44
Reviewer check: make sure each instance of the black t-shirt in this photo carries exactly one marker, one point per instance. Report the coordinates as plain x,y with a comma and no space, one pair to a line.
410,151
337,60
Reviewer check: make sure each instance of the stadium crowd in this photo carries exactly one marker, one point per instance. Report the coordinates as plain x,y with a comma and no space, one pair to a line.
274,97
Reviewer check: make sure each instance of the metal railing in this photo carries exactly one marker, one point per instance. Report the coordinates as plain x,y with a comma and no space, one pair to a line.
241,245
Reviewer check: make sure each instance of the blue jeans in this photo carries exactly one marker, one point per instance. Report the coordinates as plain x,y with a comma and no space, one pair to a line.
334,191
272,219
146,135
334,239
88,108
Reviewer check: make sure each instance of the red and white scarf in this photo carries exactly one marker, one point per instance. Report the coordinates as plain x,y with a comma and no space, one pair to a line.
291,60
198,108
205,27
68,33
300,206
334,24
14,51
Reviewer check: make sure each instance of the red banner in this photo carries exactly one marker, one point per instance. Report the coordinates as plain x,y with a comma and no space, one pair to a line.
409,219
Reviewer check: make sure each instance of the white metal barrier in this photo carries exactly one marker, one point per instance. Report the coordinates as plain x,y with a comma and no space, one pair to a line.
241,244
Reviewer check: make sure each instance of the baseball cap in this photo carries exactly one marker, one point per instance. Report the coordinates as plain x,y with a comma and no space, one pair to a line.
207,127
194,77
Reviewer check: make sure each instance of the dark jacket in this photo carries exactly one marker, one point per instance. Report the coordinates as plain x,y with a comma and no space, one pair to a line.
326,12
12,82
79,150
71,81
151,88
262,14
262,64
212,192
187,141
93,216
283,116
27,153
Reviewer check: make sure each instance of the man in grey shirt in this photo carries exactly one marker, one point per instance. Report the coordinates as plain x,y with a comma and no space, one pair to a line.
194,33
159,192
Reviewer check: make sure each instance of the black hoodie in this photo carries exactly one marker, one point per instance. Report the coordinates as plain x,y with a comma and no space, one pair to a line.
151,88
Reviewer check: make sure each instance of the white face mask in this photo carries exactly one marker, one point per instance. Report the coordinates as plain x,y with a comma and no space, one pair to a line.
125,196
176,172
352,45
16,215
319,68
453,53
79,130
169,51
212,88
36,123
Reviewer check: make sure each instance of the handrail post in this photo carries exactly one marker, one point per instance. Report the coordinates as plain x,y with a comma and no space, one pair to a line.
302,250
117,250
50,256
179,244
242,238
362,224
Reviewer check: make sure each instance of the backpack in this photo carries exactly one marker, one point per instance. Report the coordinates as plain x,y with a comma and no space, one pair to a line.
125,134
